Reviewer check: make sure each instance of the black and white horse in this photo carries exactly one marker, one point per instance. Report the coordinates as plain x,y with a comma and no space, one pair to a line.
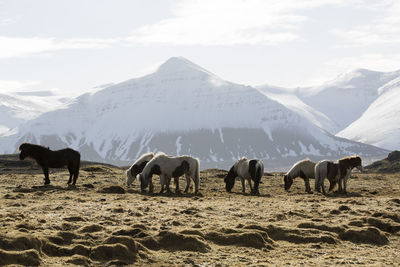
137,167
336,172
171,167
303,169
326,169
245,169
346,165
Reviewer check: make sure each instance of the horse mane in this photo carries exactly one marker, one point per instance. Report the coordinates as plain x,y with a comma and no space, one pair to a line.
350,157
142,157
29,146
350,161
298,165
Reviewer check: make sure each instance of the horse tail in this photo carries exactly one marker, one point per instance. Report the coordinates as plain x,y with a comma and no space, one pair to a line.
317,176
196,175
332,185
258,175
78,165
259,171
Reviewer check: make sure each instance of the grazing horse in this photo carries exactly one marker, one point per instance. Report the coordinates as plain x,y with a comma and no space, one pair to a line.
326,169
346,165
245,169
168,167
303,169
47,158
137,167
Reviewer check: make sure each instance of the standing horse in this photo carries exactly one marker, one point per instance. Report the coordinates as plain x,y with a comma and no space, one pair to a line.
346,165
168,167
326,169
245,169
47,158
303,169
137,167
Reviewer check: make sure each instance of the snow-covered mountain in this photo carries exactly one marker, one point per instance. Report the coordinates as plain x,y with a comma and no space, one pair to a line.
19,107
380,123
336,104
346,98
291,100
183,109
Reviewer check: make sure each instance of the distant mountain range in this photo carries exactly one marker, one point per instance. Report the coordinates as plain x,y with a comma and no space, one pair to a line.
19,107
184,109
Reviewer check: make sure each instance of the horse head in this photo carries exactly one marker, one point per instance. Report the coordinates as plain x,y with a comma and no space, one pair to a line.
358,163
24,151
288,182
230,179
129,178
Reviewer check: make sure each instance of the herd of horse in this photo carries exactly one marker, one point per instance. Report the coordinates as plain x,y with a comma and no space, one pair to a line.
168,167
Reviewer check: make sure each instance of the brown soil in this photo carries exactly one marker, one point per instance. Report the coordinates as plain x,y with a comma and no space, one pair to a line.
101,222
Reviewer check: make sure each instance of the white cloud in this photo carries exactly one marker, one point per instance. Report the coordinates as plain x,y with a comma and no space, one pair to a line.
16,47
230,22
376,62
12,86
385,29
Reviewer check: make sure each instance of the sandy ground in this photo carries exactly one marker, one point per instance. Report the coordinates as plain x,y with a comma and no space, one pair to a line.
101,222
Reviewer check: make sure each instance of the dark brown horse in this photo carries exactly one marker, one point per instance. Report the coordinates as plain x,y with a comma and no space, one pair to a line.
47,158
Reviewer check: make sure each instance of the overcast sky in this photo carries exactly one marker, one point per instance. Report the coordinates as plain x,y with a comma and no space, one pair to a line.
74,45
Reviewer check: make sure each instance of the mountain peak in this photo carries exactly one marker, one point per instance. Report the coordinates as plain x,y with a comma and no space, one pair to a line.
182,66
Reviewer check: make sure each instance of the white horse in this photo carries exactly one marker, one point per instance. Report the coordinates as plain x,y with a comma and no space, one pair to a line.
137,167
326,169
303,169
245,169
168,167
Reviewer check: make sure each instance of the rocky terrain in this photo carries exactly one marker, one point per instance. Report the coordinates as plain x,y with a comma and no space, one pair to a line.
102,222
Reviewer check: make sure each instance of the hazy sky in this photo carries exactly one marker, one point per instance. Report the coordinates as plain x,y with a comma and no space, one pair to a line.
75,45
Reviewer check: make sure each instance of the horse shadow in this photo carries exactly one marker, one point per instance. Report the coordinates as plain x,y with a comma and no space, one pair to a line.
337,194
250,195
44,188
165,194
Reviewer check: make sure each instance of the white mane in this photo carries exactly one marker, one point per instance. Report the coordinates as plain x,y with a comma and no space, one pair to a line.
142,158
298,165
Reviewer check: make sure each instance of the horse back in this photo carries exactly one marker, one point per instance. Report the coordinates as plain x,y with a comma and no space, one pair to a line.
61,158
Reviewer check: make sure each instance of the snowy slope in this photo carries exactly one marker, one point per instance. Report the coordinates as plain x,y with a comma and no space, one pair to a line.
182,109
345,99
19,107
380,123
289,99
335,104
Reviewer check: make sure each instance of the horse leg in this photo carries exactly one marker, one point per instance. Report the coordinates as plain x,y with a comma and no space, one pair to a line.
176,180
71,173
151,186
307,185
251,187
323,185
188,180
243,184
168,182
46,175
340,188
345,184
162,181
